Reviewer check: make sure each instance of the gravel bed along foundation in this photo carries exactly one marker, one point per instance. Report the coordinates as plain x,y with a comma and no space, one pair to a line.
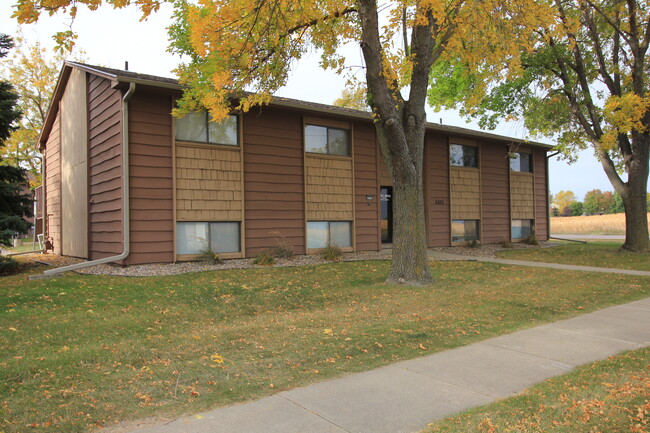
488,250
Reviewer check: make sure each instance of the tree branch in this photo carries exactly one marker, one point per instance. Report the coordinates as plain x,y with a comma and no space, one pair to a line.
613,24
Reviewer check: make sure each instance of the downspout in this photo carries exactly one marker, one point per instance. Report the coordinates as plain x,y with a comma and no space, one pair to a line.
126,210
548,193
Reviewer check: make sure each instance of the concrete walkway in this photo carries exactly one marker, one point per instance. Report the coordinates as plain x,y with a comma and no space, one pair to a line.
446,256
405,397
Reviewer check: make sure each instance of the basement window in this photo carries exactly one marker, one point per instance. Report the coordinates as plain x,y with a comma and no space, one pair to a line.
196,126
520,162
327,140
521,229
221,237
464,230
320,234
463,156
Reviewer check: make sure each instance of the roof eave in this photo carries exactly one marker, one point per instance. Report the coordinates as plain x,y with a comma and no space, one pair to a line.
53,109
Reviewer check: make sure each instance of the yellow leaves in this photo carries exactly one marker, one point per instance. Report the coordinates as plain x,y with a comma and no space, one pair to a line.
487,426
218,361
328,331
12,329
624,114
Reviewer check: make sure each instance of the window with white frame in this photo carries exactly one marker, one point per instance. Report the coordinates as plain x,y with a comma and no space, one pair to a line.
320,234
219,237
196,126
327,140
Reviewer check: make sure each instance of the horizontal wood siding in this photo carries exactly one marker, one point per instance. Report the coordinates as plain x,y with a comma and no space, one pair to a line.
385,178
522,198
53,185
328,195
494,192
208,183
151,169
366,225
273,180
541,195
465,193
104,169
437,200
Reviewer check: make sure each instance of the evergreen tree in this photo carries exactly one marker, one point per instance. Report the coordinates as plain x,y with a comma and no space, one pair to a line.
14,203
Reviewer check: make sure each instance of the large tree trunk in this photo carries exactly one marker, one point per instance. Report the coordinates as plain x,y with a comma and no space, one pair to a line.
636,223
635,202
409,265
634,191
400,129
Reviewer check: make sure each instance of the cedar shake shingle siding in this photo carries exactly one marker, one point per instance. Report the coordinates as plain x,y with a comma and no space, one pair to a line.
268,183
104,168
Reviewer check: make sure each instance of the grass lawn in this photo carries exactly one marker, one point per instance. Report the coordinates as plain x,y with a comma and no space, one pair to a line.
80,351
600,254
607,396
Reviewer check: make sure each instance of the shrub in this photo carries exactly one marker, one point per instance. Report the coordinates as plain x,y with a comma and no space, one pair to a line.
473,244
207,256
505,243
531,239
9,266
264,258
282,249
331,253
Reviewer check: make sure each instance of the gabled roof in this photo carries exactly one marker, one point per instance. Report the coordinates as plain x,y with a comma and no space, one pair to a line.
118,76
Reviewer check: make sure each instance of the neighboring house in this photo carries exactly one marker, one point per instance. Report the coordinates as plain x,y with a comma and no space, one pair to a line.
302,172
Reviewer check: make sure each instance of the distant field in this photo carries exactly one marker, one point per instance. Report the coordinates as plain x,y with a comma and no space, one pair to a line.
612,224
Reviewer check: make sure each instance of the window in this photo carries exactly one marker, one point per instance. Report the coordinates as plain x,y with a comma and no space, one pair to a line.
322,233
464,230
326,140
520,162
521,229
197,126
463,156
221,237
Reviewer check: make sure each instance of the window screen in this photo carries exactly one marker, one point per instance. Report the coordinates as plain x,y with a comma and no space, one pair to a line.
322,233
463,156
222,237
197,127
326,140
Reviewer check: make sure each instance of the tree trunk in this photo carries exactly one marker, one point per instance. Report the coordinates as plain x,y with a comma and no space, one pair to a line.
409,264
635,202
634,191
636,223
400,129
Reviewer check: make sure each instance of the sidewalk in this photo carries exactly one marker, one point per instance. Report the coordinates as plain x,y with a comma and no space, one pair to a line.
446,256
405,397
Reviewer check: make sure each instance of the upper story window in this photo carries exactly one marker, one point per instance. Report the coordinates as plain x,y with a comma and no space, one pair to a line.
520,161
197,126
327,140
463,156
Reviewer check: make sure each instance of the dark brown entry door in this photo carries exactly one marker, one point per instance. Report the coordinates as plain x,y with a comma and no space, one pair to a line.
386,221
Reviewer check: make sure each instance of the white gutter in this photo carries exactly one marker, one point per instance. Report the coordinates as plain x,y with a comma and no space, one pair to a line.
126,211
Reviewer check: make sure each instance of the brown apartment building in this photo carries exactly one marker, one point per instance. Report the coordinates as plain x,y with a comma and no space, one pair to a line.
117,162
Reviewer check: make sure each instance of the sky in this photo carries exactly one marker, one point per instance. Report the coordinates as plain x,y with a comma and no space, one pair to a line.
111,37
